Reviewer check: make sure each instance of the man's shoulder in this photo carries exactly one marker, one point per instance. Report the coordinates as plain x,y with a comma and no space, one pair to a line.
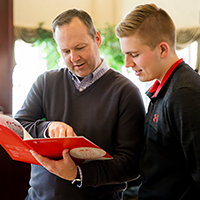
185,77
53,75
56,72
119,79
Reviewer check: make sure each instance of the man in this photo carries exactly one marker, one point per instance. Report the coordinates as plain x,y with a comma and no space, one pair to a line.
89,99
170,163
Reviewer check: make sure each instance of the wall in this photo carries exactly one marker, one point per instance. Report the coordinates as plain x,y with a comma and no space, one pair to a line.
185,13
29,13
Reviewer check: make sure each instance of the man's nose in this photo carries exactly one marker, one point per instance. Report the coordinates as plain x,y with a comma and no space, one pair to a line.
74,56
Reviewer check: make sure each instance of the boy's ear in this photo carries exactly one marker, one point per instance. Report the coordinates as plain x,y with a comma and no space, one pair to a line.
164,49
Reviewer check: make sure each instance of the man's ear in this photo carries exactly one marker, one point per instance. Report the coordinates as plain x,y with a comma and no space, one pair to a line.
164,49
98,39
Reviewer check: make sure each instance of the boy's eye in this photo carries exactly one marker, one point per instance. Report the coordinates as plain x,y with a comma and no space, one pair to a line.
134,55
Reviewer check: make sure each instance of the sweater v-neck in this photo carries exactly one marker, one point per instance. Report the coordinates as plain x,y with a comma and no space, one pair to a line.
79,93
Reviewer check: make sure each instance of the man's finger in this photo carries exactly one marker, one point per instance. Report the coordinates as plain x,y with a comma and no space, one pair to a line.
42,160
70,132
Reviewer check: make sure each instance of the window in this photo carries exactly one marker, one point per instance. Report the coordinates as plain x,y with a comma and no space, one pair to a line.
189,54
29,66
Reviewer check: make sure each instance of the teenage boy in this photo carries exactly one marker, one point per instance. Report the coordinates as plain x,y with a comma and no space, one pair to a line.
170,164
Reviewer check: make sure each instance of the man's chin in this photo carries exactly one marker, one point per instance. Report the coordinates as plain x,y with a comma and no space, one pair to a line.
81,76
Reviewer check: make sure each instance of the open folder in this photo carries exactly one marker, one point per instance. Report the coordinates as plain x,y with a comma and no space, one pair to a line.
18,143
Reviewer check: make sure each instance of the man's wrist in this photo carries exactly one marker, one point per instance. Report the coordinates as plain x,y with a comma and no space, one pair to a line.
78,180
46,133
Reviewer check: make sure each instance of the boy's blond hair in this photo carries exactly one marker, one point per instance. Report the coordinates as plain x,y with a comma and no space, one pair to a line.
152,25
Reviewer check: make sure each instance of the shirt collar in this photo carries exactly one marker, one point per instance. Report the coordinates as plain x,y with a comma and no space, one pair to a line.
103,67
155,89
91,78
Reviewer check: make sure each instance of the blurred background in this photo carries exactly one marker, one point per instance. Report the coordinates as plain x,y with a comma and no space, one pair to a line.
27,49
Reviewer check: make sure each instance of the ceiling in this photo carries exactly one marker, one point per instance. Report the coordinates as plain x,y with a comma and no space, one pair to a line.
29,13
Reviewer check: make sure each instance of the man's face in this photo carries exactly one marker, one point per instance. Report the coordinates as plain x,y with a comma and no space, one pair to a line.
141,58
79,51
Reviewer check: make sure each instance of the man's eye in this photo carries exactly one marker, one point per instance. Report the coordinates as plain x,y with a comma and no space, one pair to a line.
79,48
66,52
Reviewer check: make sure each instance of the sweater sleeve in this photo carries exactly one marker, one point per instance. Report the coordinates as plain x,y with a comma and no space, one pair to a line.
31,115
184,114
127,147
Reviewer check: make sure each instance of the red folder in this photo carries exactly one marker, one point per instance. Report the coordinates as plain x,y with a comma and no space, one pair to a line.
80,148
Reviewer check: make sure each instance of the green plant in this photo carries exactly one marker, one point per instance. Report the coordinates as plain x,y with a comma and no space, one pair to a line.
110,48
48,47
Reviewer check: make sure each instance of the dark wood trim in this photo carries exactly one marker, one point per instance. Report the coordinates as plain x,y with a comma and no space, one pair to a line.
6,54
14,176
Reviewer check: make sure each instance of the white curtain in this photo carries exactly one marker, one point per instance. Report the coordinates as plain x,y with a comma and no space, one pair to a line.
185,37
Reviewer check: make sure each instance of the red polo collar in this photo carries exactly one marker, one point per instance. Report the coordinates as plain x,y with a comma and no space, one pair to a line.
156,87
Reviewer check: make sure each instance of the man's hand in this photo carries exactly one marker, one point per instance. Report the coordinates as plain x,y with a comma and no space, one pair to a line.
60,129
64,168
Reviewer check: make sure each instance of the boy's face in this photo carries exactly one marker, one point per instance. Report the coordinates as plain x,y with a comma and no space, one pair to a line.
141,58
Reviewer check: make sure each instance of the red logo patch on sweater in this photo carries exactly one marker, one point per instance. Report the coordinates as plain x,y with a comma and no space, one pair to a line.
155,119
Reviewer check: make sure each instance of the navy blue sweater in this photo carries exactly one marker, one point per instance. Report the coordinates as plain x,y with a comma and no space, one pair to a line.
110,113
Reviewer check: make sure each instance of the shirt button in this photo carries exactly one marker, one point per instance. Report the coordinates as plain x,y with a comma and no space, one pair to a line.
80,89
